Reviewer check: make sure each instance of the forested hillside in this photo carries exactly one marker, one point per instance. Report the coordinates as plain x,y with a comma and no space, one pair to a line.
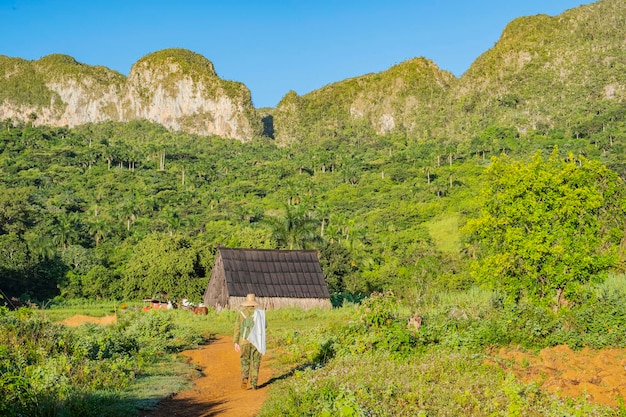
379,173
126,210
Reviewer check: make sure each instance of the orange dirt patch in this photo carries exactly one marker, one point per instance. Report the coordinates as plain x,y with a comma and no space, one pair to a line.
598,375
217,392
80,319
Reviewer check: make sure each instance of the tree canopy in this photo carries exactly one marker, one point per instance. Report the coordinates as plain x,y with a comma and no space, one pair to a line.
547,226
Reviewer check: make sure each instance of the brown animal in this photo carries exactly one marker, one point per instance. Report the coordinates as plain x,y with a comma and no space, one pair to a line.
415,322
201,310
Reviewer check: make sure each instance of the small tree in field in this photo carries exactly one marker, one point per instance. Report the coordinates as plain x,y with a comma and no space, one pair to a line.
547,227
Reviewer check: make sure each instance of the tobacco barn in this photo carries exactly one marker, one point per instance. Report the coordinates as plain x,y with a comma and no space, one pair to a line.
278,278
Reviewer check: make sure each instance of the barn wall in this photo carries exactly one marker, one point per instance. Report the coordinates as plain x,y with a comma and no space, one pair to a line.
271,303
216,294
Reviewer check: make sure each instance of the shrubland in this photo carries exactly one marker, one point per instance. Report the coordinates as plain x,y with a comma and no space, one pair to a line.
49,369
355,359
365,361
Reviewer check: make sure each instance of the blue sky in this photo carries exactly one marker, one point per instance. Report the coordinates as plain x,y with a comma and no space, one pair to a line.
270,46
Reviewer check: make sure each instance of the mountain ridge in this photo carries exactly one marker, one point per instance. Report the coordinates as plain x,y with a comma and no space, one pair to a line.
542,70
174,87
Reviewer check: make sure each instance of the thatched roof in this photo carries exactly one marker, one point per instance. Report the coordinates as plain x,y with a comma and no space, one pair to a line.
273,273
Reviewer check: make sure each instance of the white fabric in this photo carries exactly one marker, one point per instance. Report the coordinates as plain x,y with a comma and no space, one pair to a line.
257,334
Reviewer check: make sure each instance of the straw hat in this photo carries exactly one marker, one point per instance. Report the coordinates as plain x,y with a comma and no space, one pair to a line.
250,302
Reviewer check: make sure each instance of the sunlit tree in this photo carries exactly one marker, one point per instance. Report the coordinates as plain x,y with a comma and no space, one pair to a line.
547,227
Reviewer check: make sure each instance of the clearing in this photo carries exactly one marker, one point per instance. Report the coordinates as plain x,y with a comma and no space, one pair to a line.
599,375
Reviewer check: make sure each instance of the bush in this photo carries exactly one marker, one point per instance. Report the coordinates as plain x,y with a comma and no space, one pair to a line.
47,369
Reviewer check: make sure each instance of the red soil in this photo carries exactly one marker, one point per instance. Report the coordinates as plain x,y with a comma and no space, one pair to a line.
598,375
79,319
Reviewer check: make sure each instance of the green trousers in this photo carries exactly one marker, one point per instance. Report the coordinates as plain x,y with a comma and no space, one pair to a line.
250,363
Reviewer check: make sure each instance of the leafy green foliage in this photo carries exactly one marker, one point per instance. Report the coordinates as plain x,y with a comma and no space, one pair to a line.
44,366
164,263
548,227
297,229
379,326
50,369
91,195
104,208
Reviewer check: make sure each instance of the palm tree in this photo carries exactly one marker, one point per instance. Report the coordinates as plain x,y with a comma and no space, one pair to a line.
129,211
42,247
64,231
323,212
99,229
173,219
296,230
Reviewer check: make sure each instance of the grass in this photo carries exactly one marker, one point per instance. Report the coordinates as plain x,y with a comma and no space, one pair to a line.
438,382
331,362
469,302
445,233
163,376
60,312
614,282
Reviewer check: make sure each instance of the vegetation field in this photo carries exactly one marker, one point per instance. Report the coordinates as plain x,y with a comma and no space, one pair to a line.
357,359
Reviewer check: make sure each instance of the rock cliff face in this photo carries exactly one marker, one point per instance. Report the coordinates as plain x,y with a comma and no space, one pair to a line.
406,97
176,88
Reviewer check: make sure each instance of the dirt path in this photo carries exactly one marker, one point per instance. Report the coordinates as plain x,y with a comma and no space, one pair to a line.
80,319
217,392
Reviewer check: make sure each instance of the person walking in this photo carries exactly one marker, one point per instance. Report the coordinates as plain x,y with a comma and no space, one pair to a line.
249,338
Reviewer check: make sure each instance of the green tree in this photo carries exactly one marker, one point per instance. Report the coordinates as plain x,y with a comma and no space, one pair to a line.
99,228
297,229
161,262
337,264
42,247
547,227
16,212
99,282
64,230
14,264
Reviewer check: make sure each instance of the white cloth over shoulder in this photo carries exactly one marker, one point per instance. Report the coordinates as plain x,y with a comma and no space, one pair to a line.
257,333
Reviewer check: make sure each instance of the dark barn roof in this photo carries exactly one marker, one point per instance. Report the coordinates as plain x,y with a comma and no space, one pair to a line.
273,273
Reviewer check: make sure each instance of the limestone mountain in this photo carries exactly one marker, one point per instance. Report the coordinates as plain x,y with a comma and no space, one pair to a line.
174,87
547,72
402,98
564,72
543,73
